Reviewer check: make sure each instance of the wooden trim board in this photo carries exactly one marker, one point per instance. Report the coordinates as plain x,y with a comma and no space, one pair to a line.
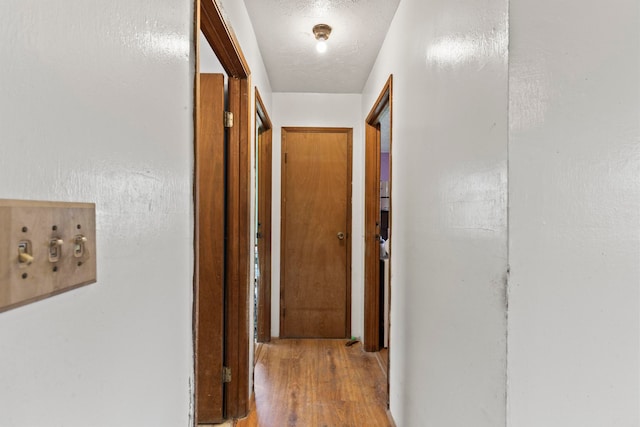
372,298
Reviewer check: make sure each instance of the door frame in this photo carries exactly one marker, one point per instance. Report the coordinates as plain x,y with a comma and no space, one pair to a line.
264,175
236,271
372,297
349,132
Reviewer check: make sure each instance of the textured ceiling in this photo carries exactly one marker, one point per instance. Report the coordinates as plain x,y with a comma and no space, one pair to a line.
287,44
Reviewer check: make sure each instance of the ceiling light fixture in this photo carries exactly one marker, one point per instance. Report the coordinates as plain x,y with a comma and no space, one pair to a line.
321,32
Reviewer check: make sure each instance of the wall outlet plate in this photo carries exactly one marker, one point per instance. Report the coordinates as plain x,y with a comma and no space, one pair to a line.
45,248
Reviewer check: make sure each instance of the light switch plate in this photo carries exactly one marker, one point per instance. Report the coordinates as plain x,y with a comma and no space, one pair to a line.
58,240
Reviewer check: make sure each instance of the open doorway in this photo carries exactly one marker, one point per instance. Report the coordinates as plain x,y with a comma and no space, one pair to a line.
378,222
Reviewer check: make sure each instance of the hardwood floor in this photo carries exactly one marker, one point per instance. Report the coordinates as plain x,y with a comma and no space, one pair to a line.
316,383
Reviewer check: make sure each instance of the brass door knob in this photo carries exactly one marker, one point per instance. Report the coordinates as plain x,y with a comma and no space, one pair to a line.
341,235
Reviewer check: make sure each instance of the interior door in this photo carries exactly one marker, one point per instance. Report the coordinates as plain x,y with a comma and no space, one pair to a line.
315,292
210,226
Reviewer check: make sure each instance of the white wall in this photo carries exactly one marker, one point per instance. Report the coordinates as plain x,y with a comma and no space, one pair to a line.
574,245
449,245
96,105
321,110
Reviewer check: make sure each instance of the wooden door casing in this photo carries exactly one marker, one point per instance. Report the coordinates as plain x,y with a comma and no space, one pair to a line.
371,236
264,162
315,293
372,295
239,242
239,248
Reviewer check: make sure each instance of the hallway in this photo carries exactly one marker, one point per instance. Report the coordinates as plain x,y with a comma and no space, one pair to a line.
515,154
317,383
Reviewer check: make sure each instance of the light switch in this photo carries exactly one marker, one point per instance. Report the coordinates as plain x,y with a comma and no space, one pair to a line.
78,248
24,253
45,248
55,249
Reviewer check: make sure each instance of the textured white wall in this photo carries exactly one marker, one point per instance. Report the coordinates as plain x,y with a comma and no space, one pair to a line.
321,110
574,191
449,262
96,105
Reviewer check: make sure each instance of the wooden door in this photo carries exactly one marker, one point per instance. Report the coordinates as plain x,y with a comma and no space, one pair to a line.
315,292
210,226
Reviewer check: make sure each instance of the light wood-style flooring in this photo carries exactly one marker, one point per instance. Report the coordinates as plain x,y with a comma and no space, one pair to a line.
316,383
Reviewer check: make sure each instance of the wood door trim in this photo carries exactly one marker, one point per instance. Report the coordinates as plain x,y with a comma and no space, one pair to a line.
371,287
349,132
372,248
261,111
220,36
300,129
239,244
384,99
222,40
264,200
